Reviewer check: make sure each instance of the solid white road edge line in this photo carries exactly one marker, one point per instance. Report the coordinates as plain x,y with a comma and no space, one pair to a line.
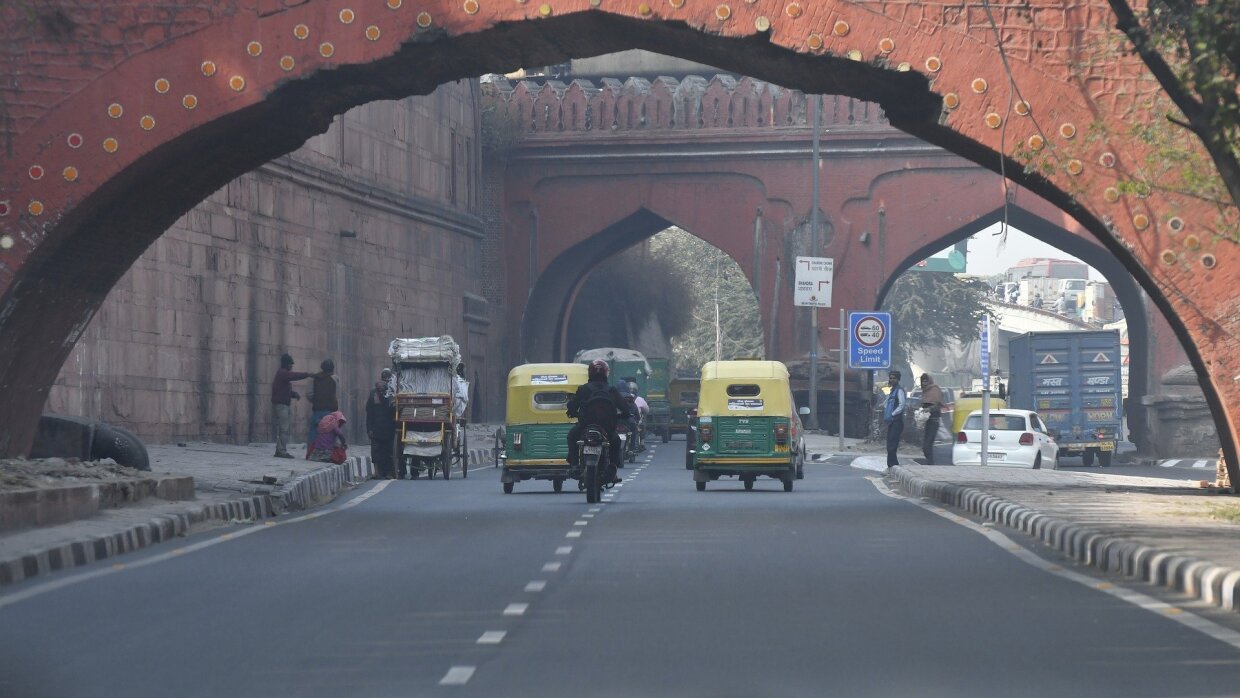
1136,598
54,585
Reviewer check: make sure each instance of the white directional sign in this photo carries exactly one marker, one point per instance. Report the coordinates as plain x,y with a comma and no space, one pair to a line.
814,278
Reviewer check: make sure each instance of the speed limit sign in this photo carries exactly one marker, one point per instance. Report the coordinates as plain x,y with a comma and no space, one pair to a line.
869,340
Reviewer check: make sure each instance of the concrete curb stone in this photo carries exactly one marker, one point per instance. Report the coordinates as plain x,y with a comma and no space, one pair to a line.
1200,579
305,492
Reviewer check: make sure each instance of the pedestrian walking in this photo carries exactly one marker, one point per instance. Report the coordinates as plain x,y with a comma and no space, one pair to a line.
932,403
381,427
282,395
893,415
322,398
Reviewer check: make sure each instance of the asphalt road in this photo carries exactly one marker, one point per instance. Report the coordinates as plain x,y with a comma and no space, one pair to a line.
453,588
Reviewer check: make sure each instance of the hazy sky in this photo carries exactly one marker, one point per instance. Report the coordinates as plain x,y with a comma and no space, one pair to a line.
986,257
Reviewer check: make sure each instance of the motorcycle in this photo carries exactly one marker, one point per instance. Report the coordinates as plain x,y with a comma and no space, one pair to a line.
593,462
628,444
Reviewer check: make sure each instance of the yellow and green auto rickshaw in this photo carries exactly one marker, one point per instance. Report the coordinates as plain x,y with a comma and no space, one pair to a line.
682,393
537,423
747,425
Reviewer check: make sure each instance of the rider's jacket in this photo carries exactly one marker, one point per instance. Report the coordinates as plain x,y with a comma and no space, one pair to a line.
598,403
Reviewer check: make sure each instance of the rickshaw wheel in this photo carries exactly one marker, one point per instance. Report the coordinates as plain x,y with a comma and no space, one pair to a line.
788,485
445,462
748,484
508,488
667,435
701,486
464,451
558,484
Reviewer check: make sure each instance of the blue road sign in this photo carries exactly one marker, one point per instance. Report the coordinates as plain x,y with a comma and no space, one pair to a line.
985,350
869,340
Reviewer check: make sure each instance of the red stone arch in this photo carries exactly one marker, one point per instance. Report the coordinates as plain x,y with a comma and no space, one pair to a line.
128,113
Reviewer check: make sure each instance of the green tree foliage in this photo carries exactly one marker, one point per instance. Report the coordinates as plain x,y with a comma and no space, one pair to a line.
705,267
929,309
1192,47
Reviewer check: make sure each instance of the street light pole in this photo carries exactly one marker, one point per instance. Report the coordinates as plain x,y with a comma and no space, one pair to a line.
813,238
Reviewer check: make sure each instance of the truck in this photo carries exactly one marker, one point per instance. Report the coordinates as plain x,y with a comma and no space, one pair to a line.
1072,380
657,397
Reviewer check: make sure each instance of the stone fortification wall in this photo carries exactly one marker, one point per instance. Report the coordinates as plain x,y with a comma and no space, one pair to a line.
370,231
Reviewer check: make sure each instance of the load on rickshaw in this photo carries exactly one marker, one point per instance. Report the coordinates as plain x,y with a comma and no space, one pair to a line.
430,399
537,424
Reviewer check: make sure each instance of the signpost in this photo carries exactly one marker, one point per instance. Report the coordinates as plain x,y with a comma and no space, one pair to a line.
985,352
814,276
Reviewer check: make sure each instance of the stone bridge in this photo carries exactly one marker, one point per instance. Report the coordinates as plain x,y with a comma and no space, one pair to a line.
120,116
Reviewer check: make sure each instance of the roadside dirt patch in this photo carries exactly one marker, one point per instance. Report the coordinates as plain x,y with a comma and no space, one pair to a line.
58,472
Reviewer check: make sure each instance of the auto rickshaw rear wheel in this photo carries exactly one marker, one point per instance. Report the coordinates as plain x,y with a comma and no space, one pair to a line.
556,484
508,488
788,485
748,483
701,486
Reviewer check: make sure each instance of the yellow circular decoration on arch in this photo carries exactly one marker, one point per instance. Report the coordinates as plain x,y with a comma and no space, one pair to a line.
544,10
814,42
424,19
676,3
854,55
208,68
115,110
1141,221
1111,194
394,4
347,16
372,34
111,145
993,120
723,12
6,241
1075,167
794,10
934,64
979,85
301,32
1036,142
70,173
237,83
1107,160
1021,108
951,100
1067,130
841,28
904,67
189,102
254,49
162,86
471,7
147,122
1192,242
886,45
326,49
287,63
762,23
1168,257
35,208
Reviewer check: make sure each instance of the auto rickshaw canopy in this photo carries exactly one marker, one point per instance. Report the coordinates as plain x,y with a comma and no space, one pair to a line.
738,388
539,393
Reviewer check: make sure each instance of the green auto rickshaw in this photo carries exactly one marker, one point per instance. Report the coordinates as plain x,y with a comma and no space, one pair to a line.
747,425
537,423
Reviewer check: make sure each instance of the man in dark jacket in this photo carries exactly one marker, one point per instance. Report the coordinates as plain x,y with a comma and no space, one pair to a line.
322,398
381,427
599,404
281,396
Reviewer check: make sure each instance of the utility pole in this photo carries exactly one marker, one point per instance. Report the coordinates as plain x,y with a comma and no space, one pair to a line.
813,238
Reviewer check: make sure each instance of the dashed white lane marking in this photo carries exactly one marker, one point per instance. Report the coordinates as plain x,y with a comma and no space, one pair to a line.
1200,463
564,550
516,609
457,676
1179,615
492,637
595,510
551,567
182,551
573,534
536,586
1168,463
587,516
580,523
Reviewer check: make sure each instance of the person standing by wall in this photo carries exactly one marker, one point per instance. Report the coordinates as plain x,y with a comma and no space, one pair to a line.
281,411
381,427
893,415
322,398
932,402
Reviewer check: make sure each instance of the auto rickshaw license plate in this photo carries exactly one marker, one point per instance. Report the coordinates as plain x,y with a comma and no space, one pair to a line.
740,444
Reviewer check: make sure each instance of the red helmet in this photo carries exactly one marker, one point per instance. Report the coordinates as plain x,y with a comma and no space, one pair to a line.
598,370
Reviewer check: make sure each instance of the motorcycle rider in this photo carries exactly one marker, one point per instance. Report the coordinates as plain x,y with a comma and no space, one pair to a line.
600,404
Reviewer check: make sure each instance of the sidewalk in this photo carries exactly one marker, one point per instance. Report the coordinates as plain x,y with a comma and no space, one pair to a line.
230,484
1164,532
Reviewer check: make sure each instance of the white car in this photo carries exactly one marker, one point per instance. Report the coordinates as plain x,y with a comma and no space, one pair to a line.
1017,439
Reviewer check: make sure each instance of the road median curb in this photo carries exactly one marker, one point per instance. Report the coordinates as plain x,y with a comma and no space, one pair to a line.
1200,579
305,492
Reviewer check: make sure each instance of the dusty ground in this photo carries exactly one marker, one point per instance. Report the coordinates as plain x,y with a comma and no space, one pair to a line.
59,472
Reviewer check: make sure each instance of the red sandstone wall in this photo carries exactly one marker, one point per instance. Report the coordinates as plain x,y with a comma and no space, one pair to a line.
185,345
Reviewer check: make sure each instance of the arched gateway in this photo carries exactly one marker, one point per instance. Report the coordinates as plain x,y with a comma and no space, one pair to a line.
123,115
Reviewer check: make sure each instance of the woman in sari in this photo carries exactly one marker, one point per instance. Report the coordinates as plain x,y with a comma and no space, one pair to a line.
330,437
